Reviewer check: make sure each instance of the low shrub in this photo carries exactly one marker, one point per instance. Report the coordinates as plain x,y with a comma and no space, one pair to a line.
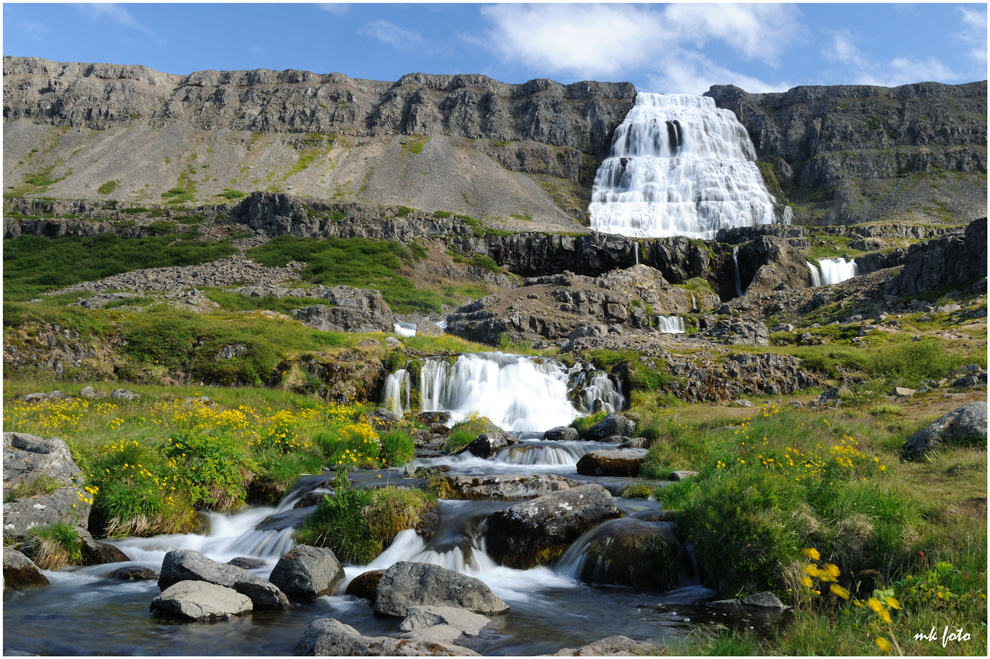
397,448
55,546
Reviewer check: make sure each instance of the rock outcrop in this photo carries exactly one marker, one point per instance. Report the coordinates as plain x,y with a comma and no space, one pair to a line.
957,257
328,637
967,423
505,487
190,565
853,146
406,585
198,600
19,571
307,572
538,531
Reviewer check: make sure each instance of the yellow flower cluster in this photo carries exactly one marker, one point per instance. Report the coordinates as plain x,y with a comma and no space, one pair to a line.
48,418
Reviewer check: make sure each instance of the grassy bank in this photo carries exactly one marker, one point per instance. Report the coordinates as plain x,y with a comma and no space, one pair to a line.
151,464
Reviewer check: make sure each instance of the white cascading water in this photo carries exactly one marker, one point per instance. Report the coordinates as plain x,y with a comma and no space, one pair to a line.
679,166
816,276
404,329
838,270
735,266
517,393
670,324
396,385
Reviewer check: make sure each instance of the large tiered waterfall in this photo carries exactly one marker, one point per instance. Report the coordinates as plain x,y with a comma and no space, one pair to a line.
679,166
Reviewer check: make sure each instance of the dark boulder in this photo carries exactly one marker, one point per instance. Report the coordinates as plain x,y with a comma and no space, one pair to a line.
537,532
189,565
614,462
406,585
611,425
307,572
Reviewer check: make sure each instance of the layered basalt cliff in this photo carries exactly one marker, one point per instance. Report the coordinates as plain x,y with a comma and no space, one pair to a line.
849,153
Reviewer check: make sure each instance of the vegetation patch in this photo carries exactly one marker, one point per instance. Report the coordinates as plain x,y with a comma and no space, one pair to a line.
107,187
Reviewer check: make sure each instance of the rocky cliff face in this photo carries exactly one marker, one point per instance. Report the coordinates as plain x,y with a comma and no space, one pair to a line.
432,142
849,154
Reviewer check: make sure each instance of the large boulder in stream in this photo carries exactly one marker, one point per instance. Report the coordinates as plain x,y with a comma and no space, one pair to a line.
441,623
190,565
537,532
328,637
307,572
610,426
614,462
198,600
633,552
504,487
488,446
406,585
19,571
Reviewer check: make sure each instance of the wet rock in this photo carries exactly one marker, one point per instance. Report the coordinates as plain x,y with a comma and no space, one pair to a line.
133,573
406,585
306,572
19,571
505,487
967,423
189,565
632,552
95,552
246,562
198,600
612,462
561,433
537,532
330,637
441,623
487,446
612,646
365,585
766,601
613,424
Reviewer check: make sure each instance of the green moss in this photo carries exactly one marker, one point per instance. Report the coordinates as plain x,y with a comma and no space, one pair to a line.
107,187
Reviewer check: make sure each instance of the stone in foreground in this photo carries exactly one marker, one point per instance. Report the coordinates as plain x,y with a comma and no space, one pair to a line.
968,422
506,487
406,585
307,572
441,623
189,565
19,571
613,646
612,462
199,600
329,637
537,532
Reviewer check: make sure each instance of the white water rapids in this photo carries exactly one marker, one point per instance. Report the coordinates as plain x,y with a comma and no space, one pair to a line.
679,166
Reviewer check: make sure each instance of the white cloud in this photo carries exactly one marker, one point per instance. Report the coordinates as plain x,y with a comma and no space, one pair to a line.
119,15
756,31
686,72
974,32
860,70
391,34
585,40
605,41
335,8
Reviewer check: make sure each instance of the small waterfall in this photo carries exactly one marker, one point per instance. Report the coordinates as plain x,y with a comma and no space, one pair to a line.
816,276
558,454
679,166
636,247
670,324
395,385
735,266
694,302
405,329
838,270
517,393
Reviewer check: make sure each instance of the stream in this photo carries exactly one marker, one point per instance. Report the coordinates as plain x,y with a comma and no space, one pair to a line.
83,612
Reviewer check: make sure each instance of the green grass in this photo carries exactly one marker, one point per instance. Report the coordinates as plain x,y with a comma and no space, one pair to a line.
231,301
231,194
107,187
33,264
354,262
52,547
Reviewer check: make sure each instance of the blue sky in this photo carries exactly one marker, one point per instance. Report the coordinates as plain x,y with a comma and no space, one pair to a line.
663,48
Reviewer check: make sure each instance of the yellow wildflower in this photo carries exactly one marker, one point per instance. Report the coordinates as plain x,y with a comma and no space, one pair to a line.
894,604
811,553
883,644
839,590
